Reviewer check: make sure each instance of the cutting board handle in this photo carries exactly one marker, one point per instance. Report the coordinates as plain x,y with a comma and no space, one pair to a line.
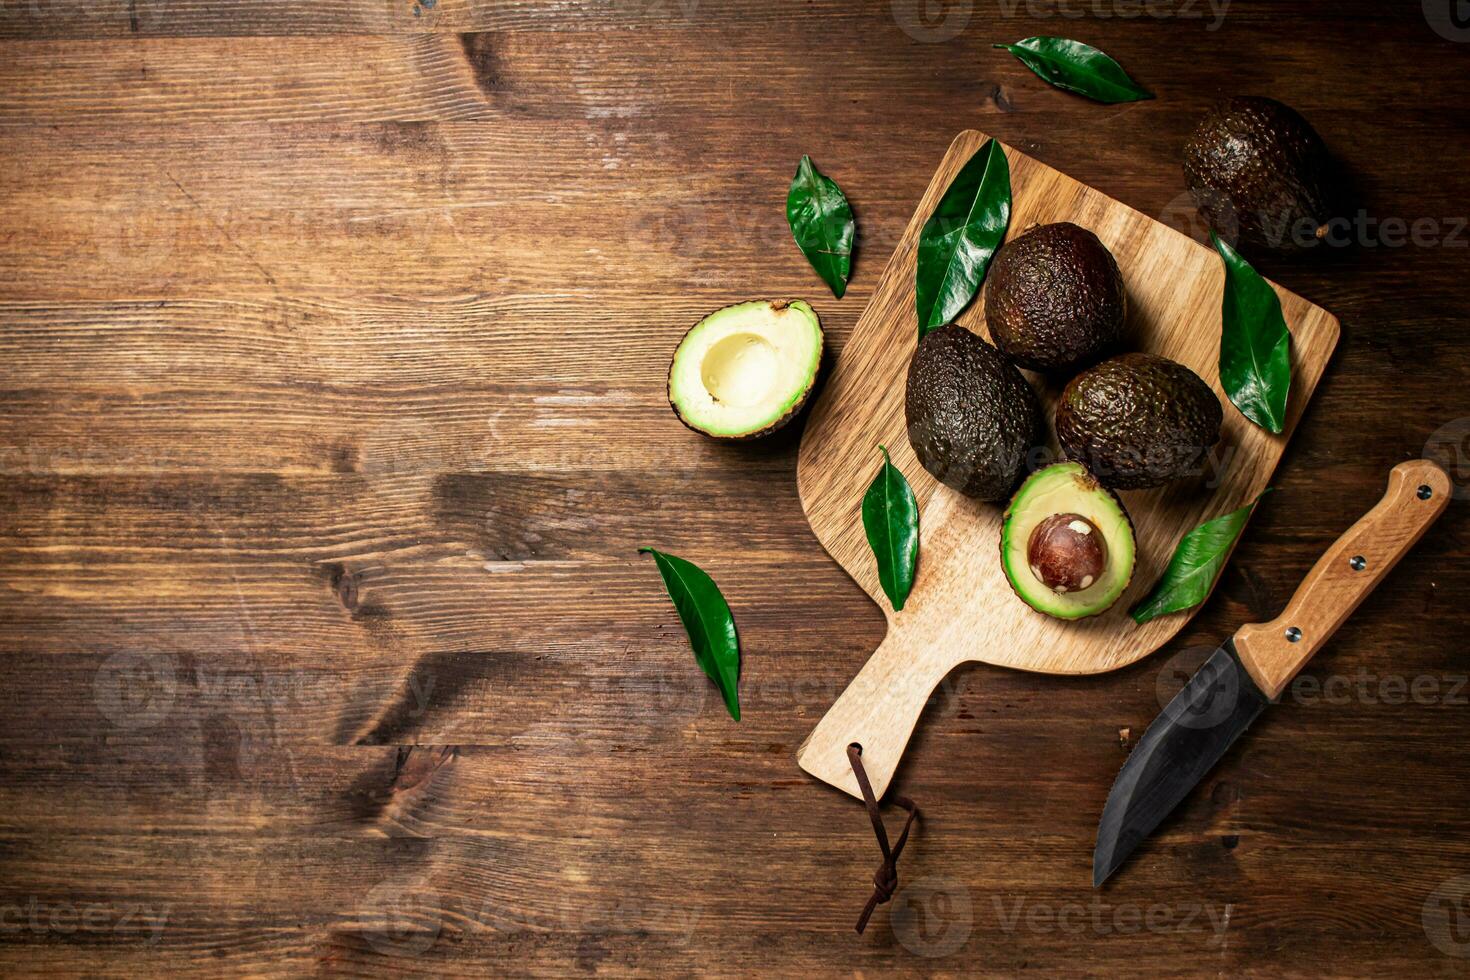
1418,492
878,711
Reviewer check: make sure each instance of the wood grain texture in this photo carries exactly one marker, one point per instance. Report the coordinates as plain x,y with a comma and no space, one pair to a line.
962,608
162,18
332,346
1273,653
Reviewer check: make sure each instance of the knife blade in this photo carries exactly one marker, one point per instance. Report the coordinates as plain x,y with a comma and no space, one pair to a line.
1196,728
1251,669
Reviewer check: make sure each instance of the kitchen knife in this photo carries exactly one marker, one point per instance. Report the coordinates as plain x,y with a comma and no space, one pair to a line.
1254,666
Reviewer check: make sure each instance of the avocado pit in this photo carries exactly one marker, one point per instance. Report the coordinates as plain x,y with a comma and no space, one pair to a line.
1067,553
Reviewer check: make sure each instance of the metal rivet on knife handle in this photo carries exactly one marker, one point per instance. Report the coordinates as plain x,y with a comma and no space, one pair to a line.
1273,652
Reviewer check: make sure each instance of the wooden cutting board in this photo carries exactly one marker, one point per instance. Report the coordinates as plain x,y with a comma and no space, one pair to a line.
961,608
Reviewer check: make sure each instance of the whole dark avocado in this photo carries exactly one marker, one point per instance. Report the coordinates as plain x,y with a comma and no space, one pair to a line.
1259,173
1138,420
1054,298
972,418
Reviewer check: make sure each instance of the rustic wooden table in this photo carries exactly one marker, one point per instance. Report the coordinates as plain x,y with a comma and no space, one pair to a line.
333,342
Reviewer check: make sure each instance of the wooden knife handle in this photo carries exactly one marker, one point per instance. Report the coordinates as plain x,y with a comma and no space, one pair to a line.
1418,492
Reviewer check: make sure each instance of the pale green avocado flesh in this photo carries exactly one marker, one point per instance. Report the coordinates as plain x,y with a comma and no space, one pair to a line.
1067,488
745,370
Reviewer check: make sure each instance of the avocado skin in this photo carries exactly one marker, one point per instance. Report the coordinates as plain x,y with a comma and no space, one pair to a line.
1054,299
1259,173
1138,420
972,418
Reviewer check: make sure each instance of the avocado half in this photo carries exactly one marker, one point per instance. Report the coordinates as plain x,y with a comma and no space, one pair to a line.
1066,543
745,371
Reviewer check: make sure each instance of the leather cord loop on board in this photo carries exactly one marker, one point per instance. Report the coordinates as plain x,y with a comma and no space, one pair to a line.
885,879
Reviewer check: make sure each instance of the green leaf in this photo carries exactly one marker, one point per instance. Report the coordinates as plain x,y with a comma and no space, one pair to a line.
1077,67
961,235
1255,345
1196,565
891,518
707,620
821,222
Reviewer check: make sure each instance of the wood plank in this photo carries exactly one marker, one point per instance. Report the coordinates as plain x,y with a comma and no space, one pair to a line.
158,18
397,387
406,899
437,213
448,601
608,74
495,517
222,772
378,680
